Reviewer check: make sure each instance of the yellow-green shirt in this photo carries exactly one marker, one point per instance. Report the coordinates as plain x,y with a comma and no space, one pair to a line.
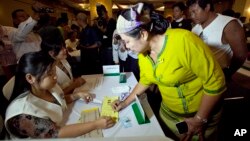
184,71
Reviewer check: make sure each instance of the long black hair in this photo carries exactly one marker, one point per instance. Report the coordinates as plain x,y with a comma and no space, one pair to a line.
52,40
201,3
35,63
180,5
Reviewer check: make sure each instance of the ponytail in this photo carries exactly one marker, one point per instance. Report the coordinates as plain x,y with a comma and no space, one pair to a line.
158,24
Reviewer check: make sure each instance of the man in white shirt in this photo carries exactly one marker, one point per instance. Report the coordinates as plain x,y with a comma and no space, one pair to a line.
224,35
16,42
127,59
19,39
27,40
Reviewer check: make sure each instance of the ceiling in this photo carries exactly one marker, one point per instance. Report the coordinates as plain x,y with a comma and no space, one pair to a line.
84,4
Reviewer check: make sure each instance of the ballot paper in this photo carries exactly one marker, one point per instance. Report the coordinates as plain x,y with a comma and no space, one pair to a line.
91,115
107,108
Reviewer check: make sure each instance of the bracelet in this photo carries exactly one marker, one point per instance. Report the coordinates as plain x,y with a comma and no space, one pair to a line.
203,120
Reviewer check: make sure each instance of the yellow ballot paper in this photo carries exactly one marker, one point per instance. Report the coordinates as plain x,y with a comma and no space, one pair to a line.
107,109
91,115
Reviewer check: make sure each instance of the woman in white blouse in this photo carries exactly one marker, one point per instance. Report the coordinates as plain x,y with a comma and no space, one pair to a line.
53,44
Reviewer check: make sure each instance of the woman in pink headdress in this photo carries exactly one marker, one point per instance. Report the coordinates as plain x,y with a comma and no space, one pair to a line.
190,80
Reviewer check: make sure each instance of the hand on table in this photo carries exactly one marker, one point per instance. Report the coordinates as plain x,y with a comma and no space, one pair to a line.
87,97
105,122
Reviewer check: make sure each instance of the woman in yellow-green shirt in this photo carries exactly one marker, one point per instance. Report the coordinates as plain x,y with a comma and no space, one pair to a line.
191,82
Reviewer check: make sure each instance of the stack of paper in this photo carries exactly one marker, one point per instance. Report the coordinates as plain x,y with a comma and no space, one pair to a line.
107,109
91,115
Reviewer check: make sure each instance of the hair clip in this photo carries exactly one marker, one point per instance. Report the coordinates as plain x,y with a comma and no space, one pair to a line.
151,26
139,7
133,13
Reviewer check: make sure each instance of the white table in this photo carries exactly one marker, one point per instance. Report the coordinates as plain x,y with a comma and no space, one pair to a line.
102,88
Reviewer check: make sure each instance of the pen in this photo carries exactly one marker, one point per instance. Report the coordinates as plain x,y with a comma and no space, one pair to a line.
97,101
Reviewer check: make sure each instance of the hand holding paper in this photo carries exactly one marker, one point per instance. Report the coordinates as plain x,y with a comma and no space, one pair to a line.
96,101
118,105
87,97
107,108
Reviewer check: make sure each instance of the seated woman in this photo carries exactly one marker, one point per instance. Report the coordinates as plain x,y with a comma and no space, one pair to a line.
53,44
38,103
72,41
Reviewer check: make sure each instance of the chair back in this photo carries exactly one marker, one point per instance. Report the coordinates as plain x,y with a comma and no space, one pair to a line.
8,88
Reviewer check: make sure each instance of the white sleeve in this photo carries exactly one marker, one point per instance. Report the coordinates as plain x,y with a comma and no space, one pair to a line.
24,29
115,49
67,44
115,53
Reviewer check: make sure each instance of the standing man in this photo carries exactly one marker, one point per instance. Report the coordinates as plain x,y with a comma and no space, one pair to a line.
17,40
89,44
27,41
224,35
106,27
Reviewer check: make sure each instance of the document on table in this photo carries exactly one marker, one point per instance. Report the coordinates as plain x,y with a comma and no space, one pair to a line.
107,109
92,83
91,115
122,91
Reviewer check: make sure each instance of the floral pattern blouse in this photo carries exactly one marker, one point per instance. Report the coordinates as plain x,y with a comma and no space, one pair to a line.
24,126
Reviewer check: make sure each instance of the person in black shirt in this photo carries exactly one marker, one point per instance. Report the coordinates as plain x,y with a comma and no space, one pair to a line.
106,27
89,43
179,17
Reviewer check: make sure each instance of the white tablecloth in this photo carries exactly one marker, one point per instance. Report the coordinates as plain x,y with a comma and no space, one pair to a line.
102,86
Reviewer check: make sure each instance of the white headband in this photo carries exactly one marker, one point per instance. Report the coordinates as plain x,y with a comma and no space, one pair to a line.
124,26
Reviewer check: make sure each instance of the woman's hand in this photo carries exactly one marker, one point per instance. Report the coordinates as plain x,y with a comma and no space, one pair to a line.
105,122
122,46
115,39
195,127
87,97
117,105
79,82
